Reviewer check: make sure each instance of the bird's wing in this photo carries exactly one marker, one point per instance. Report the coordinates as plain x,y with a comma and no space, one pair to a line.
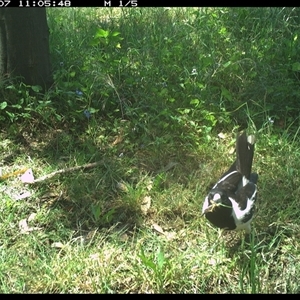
229,182
245,194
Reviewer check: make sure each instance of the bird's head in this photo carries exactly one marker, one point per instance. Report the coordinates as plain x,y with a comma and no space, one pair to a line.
216,200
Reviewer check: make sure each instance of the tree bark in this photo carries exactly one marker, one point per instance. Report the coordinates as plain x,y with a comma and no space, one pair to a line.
24,45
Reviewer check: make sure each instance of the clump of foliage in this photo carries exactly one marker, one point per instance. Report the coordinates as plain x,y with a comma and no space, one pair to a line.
156,95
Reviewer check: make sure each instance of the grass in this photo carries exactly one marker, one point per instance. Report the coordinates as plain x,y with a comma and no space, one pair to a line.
157,96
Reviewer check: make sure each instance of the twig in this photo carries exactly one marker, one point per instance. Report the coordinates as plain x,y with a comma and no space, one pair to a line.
111,84
67,170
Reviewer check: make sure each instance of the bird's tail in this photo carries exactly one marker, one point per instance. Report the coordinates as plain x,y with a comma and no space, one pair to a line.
244,154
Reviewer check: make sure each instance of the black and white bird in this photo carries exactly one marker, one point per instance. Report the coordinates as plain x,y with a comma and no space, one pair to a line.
230,204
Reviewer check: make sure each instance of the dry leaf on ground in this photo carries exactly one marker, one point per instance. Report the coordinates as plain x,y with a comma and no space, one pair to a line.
157,228
24,228
146,203
27,177
57,245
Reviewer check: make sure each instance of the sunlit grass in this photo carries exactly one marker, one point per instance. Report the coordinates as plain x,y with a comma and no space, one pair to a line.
158,100
170,249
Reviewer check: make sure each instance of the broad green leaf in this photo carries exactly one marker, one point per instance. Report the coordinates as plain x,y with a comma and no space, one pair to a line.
226,93
160,258
195,102
147,262
296,66
101,33
18,106
36,88
116,33
3,105
227,64
93,110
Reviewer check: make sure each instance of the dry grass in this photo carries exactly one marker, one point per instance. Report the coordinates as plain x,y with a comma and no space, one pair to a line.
132,224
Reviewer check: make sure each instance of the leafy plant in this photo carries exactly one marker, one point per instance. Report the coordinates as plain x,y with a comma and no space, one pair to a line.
158,263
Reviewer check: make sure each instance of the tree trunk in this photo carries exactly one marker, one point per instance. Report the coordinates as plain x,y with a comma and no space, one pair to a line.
24,45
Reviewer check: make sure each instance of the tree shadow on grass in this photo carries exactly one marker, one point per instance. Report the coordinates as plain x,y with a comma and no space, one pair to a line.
82,200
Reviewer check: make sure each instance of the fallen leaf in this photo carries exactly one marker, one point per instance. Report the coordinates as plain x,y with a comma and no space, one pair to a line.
118,140
231,150
18,172
49,195
222,136
124,237
170,235
57,245
31,217
194,269
157,228
146,203
27,177
217,261
149,185
94,256
212,261
122,187
24,228
22,196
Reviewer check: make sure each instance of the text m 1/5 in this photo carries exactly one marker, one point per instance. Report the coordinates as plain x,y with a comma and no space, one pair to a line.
121,3
130,3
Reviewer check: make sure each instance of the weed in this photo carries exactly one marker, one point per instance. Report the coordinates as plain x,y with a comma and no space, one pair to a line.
157,95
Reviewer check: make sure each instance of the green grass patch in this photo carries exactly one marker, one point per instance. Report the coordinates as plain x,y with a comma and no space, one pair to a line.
156,95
